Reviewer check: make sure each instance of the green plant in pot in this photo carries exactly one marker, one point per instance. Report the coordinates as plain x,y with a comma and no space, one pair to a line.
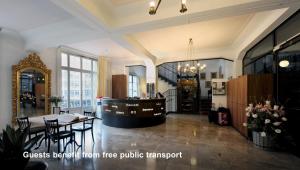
12,146
55,100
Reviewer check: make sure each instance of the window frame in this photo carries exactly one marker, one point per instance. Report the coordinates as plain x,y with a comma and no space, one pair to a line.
92,72
130,81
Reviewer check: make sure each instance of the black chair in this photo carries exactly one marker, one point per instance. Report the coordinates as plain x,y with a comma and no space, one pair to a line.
53,133
87,125
64,111
23,123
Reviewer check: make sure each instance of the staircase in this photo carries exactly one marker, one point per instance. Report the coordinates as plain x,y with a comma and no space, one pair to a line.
168,73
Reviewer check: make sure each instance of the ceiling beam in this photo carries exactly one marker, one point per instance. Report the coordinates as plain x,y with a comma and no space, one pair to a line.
236,10
121,34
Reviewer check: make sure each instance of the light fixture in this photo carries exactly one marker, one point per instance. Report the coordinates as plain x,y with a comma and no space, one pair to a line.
183,6
190,67
284,63
153,7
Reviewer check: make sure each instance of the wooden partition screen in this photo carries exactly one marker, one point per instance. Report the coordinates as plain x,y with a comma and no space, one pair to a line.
119,86
240,90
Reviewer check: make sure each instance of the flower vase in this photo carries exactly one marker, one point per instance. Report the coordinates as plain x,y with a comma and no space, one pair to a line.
264,142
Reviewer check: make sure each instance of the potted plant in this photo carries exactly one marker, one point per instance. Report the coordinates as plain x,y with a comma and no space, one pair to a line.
268,124
55,100
12,146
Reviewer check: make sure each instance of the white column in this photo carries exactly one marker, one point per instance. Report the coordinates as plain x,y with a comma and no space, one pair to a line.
12,50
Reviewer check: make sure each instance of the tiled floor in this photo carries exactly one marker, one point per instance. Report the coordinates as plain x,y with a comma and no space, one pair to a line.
203,146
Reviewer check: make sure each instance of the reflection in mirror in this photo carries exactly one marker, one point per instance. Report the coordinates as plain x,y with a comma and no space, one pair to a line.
32,93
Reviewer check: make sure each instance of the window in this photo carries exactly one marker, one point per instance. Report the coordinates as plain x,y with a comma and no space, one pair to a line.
260,59
133,86
74,61
64,88
78,81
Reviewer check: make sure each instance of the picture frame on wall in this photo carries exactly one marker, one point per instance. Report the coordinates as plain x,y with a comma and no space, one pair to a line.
213,75
207,84
219,88
202,76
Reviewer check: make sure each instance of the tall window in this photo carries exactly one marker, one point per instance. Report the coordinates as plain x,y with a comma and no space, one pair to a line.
133,86
78,81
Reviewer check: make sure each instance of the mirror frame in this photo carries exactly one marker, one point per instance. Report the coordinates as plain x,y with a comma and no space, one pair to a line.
32,61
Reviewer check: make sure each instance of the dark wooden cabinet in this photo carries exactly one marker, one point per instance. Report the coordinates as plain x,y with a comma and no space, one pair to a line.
241,91
119,86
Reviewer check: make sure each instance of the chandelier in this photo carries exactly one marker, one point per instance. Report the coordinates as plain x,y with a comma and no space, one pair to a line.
190,67
153,7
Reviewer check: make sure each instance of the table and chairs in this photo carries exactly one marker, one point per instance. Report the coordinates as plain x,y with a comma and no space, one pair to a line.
50,126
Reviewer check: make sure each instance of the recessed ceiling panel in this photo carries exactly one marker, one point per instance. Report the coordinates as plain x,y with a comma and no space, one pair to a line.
206,35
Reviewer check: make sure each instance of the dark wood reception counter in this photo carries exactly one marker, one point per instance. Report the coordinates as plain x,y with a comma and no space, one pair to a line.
132,113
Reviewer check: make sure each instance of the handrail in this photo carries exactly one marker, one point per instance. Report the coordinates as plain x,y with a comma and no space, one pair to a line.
167,69
171,100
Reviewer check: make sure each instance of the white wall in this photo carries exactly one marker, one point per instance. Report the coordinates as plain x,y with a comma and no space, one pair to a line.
12,50
213,66
50,59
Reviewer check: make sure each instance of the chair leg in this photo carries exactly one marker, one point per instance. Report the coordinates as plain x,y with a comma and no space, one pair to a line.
58,146
81,134
45,139
92,135
48,144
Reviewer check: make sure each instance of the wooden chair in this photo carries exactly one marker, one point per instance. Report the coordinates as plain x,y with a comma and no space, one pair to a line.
87,125
23,123
53,133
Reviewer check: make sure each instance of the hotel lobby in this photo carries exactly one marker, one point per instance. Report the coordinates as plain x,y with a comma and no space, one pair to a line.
149,84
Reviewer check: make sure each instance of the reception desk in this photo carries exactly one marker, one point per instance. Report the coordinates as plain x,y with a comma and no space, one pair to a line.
133,113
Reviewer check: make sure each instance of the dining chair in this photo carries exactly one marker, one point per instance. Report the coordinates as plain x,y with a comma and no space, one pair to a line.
64,111
23,123
55,134
86,125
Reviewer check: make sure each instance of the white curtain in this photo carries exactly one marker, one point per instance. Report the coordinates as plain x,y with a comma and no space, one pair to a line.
102,76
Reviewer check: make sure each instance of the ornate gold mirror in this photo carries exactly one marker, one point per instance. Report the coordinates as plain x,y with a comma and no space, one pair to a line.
31,82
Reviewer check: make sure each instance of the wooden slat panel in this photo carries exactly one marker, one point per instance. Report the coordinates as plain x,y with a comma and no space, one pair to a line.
239,92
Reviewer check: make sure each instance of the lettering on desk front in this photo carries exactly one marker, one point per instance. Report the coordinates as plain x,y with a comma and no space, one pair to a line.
119,113
147,110
157,114
132,105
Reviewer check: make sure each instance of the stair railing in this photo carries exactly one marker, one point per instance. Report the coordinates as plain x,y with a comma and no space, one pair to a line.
167,74
171,100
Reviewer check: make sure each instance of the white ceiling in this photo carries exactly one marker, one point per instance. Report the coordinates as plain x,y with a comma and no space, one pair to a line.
211,34
22,15
124,2
104,47
123,29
